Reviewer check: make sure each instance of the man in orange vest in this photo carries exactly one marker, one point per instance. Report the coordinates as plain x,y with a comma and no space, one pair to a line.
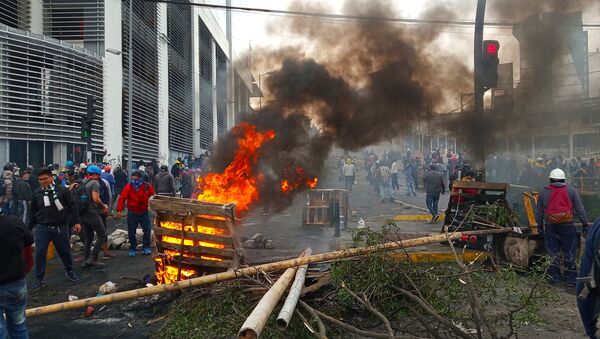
557,205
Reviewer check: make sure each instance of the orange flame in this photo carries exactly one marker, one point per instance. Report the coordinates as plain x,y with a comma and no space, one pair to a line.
299,181
237,184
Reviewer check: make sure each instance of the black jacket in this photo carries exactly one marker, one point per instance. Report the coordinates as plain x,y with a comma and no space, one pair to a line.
120,179
38,214
23,191
14,236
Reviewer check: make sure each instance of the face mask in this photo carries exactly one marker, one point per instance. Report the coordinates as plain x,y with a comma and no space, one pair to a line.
136,181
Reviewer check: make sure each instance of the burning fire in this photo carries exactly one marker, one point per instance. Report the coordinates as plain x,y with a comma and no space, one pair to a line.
170,273
237,184
299,181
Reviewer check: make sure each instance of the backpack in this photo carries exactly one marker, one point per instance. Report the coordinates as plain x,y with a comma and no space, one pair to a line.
560,207
80,196
104,194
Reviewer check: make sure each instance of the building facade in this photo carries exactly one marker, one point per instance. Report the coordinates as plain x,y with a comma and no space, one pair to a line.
54,54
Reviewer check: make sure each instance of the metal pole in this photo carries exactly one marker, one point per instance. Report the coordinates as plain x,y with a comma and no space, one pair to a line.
130,89
477,50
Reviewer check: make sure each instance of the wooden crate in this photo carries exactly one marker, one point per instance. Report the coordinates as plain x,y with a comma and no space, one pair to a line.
319,202
207,244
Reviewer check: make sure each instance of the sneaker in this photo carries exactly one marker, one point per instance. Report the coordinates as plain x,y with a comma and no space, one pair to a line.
132,252
71,275
92,263
38,285
147,251
108,256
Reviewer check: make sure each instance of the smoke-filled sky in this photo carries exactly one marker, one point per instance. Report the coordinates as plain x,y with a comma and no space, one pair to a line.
272,31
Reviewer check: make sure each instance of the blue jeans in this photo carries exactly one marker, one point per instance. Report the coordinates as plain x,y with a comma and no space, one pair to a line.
385,190
410,185
60,236
13,299
432,200
557,238
349,181
133,220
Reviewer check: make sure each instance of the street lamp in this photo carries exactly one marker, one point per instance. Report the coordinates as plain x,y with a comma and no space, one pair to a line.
260,87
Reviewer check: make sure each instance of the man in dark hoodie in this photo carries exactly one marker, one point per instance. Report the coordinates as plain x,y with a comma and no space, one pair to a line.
164,183
556,206
24,195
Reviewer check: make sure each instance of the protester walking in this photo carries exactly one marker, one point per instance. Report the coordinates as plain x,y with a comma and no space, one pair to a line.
52,207
557,205
137,194
409,170
434,184
91,207
164,183
349,174
120,182
187,188
6,189
15,251
395,169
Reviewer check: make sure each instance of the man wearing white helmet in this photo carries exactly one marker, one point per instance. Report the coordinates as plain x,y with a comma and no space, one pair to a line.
556,207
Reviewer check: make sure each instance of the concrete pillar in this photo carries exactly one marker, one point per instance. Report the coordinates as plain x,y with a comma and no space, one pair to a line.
163,85
4,151
196,80
213,46
113,81
59,153
37,16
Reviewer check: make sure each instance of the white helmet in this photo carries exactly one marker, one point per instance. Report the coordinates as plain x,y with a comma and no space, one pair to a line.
557,174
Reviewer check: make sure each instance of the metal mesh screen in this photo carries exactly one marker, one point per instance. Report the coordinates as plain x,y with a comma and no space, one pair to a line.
44,85
181,111
74,19
15,13
206,90
145,79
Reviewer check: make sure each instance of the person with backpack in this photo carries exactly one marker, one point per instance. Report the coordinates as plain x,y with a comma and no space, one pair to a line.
137,194
52,210
91,206
557,205
15,251
107,199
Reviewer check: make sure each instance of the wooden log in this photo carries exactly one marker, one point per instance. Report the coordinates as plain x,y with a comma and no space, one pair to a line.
233,274
256,321
283,319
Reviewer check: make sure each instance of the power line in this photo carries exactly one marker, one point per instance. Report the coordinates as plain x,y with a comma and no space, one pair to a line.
349,17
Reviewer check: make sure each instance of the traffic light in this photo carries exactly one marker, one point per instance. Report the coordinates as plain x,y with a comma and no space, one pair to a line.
88,119
489,63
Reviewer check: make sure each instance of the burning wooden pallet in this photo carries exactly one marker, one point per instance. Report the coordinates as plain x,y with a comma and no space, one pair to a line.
194,238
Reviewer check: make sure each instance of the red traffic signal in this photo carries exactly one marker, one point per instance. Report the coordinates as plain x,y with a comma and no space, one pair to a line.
490,47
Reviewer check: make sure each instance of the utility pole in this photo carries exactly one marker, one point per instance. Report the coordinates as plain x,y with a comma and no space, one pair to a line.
130,91
478,80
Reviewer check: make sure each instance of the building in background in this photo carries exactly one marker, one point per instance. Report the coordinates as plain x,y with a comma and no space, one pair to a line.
187,91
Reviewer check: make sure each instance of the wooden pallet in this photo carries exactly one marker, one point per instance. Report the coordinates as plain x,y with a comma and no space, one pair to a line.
319,202
207,244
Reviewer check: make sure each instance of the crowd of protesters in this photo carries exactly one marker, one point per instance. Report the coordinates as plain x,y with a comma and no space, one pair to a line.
52,202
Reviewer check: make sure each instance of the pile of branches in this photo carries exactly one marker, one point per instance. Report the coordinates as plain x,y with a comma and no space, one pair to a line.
378,296
494,215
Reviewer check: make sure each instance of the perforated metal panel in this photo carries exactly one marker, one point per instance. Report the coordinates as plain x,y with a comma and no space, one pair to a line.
145,79
74,19
181,111
44,85
206,87
15,13
221,92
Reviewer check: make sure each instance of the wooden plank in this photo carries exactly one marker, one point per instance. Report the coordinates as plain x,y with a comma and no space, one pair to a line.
212,223
198,250
480,185
183,206
197,262
225,240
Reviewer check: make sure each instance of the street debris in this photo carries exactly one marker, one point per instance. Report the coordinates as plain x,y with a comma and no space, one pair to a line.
258,240
107,288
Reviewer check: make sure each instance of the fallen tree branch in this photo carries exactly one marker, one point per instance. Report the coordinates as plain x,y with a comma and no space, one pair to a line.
478,312
322,330
367,305
432,312
351,328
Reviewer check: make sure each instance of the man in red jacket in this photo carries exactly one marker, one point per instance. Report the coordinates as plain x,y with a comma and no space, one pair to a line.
137,193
